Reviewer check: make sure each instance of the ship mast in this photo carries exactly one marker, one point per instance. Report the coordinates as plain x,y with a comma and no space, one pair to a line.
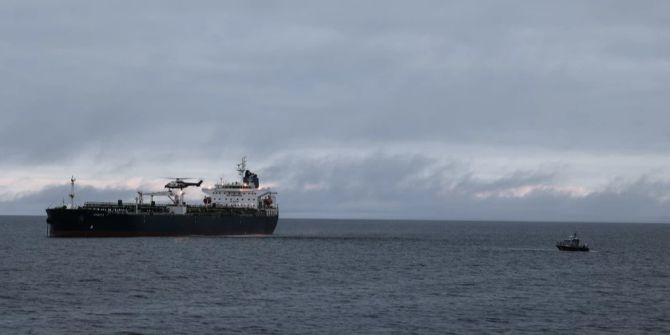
242,166
72,180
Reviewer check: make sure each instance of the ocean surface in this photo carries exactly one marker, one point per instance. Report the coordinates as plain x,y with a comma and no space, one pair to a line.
340,277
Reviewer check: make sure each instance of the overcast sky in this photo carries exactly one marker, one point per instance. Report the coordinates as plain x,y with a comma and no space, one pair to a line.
512,110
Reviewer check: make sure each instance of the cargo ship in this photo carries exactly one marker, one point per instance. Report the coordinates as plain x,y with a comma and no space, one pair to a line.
235,208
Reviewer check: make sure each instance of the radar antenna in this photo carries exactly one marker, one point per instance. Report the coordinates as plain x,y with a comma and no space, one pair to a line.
72,180
242,166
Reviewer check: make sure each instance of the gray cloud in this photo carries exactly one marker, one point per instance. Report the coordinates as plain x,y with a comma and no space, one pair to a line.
383,186
121,86
414,186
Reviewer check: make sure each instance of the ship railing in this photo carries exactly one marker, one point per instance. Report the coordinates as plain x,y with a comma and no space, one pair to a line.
101,204
109,207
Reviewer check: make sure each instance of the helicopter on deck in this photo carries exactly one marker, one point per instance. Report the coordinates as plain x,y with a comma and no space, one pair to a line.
181,184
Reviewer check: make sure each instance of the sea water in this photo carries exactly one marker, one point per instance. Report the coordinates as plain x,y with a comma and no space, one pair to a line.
340,277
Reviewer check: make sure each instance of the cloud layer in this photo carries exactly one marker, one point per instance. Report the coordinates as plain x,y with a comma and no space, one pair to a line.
492,110
414,187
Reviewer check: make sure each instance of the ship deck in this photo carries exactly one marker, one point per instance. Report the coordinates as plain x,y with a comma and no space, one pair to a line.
158,209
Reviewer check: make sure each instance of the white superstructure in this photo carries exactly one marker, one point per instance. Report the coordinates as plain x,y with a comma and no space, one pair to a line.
243,194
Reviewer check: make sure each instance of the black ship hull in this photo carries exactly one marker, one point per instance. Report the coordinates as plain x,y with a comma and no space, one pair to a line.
89,223
571,248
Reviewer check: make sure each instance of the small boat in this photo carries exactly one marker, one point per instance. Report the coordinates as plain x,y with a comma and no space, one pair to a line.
572,244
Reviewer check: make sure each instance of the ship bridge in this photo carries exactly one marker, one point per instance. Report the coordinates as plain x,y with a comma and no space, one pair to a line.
244,194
